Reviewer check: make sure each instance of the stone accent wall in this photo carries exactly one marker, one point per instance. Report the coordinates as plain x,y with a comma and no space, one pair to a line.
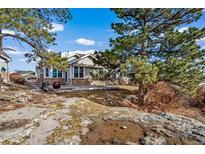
50,80
81,82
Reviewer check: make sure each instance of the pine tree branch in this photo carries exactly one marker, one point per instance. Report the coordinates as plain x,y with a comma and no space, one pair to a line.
9,49
18,37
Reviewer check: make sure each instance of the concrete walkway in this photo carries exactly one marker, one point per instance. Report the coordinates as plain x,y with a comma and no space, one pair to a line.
33,85
67,88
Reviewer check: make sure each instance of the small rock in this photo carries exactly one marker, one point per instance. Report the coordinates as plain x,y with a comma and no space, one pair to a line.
203,109
27,133
61,120
152,139
65,127
123,127
75,140
36,120
132,97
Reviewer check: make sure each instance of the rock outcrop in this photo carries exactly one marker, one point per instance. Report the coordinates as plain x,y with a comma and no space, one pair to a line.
28,117
199,99
163,96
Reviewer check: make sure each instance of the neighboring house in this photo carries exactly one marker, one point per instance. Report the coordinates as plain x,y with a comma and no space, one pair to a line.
4,64
78,72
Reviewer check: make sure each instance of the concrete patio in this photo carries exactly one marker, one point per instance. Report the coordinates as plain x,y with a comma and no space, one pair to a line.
67,88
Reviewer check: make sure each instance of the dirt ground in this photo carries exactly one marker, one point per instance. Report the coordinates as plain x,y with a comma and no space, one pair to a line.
115,132
120,98
104,97
93,117
110,132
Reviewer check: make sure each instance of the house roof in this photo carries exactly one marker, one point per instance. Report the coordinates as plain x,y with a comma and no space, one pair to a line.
75,54
4,55
81,56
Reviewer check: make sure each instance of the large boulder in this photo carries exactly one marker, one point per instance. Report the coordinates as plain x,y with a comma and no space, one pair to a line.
164,96
200,94
16,78
199,98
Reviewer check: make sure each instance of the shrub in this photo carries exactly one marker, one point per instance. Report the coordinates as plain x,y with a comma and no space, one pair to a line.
16,78
20,80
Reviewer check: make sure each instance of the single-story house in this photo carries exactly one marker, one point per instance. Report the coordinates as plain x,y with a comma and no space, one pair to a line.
4,64
78,72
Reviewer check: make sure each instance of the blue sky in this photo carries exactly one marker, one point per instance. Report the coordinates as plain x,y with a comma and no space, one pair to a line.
88,30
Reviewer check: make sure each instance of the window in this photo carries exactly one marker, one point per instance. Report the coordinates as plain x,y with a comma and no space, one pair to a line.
78,72
47,72
81,72
54,73
75,72
60,74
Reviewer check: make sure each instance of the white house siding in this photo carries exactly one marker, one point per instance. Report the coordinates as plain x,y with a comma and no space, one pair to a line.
85,61
3,64
87,71
69,72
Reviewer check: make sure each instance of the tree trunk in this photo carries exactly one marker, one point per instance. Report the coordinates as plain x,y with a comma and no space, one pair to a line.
141,93
143,52
41,79
1,40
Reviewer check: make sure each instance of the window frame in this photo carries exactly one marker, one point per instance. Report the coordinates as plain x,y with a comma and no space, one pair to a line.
75,74
81,72
46,72
60,74
78,72
55,72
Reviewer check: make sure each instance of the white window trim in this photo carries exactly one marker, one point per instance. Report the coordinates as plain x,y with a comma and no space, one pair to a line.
78,72
74,73
56,72
45,72
83,72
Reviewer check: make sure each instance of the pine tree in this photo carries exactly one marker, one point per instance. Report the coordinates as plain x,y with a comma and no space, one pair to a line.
31,26
141,30
180,59
111,61
147,34
145,73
